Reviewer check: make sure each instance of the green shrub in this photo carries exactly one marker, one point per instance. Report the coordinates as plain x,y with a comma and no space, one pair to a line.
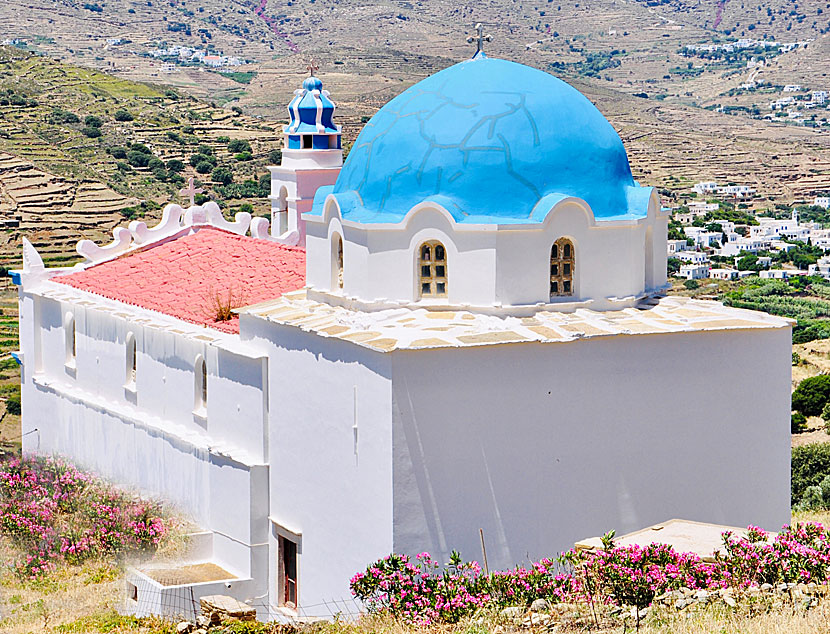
811,395
13,402
92,121
275,157
246,207
796,358
223,139
140,147
59,115
92,132
204,167
195,159
691,284
155,163
204,149
222,175
118,153
798,423
238,145
123,115
138,159
810,465
816,497
175,165
175,136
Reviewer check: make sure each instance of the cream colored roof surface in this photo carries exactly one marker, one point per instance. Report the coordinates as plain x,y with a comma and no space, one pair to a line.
685,536
407,328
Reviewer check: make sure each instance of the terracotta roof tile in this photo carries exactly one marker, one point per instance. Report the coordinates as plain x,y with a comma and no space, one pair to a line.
183,277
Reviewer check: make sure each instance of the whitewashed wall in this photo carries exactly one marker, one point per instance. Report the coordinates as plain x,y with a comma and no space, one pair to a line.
340,503
212,468
542,445
491,264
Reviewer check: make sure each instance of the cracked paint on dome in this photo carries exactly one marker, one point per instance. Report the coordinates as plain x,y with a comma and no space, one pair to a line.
493,142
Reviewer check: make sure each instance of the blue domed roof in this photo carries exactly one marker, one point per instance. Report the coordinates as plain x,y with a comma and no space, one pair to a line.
492,141
311,110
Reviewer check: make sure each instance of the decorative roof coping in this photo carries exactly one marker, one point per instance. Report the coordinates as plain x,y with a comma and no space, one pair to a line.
175,221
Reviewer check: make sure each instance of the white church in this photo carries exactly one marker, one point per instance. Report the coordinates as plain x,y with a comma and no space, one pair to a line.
461,327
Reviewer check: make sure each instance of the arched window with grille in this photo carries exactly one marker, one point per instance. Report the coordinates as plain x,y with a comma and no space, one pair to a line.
200,387
562,262
432,268
337,261
130,360
69,338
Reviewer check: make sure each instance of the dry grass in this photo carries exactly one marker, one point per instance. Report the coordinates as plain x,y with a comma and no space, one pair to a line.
63,596
724,621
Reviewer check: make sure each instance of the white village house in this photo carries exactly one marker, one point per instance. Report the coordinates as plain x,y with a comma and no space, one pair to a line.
459,328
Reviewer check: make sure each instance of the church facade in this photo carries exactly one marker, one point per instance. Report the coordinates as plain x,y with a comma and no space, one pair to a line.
461,327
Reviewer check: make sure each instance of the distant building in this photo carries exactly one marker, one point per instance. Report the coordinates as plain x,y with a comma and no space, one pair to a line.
819,97
675,246
693,271
692,257
723,274
792,88
703,208
705,187
822,201
822,267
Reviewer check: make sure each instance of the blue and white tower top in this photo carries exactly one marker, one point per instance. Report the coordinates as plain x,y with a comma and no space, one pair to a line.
492,142
311,112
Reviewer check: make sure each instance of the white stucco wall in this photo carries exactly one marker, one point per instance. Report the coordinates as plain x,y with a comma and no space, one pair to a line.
210,466
544,444
491,265
339,502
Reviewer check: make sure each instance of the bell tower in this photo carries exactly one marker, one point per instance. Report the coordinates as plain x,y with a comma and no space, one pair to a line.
311,158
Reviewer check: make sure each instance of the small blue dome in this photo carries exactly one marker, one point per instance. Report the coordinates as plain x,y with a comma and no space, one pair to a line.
312,83
492,141
311,110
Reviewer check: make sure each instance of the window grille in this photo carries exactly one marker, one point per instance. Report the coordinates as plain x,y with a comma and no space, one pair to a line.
432,264
562,262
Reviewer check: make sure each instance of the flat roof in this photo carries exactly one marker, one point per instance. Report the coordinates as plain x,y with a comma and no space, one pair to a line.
418,328
684,536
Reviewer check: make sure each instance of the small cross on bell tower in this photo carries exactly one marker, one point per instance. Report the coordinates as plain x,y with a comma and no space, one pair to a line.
479,40
312,68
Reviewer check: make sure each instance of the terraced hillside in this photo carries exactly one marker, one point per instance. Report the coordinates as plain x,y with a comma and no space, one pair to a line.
81,151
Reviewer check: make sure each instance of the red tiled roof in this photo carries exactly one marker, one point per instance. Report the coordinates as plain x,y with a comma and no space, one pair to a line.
184,277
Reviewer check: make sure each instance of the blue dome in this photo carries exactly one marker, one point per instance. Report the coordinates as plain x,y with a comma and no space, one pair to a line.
311,110
492,141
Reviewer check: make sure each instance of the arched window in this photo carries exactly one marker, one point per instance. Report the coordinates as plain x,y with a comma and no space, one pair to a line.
70,343
200,387
130,359
562,260
281,221
432,263
337,254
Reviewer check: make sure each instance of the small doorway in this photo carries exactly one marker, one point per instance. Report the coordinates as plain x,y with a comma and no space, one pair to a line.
287,571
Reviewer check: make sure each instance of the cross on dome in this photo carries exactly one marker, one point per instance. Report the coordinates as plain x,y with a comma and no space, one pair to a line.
191,191
312,67
479,40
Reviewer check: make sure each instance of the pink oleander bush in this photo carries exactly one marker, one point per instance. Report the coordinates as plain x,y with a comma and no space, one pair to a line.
423,592
53,512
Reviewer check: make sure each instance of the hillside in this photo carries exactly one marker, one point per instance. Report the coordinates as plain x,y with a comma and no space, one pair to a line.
69,139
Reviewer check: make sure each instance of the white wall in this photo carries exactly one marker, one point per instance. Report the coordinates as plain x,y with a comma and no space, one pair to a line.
544,444
211,468
340,503
491,264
